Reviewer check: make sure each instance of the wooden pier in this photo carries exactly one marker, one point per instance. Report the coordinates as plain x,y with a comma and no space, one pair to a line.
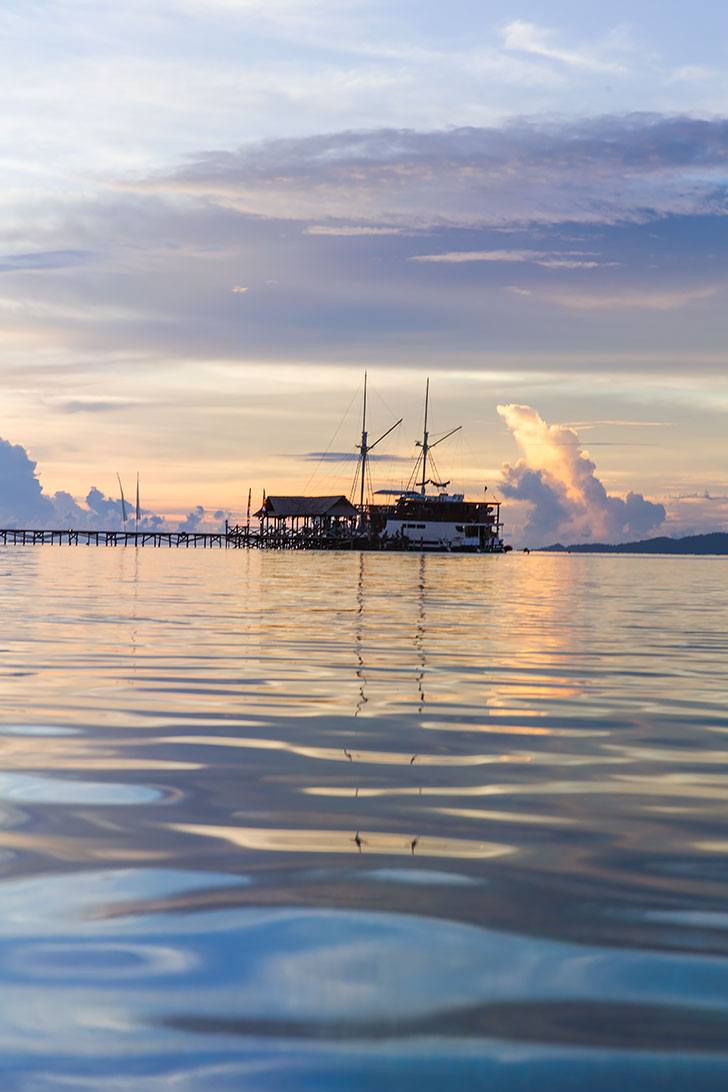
159,539
283,523
235,538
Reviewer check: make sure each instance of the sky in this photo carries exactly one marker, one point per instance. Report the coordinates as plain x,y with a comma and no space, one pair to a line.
217,214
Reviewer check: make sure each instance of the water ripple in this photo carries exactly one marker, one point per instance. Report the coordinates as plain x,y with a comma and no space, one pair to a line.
356,821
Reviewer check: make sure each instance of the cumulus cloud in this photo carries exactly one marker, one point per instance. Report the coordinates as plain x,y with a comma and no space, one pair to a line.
24,504
102,512
199,519
22,500
558,481
597,170
193,520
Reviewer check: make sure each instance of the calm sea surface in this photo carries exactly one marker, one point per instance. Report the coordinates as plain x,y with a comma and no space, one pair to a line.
342,822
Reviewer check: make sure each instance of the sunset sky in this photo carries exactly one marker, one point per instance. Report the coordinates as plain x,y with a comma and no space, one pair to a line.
217,213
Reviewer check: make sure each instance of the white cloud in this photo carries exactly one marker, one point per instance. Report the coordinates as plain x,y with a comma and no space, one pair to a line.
352,230
693,73
457,256
557,480
634,299
527,37
542,258
571,263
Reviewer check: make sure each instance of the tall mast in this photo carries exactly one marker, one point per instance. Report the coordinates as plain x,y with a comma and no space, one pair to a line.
425,441
427,447
363,448
138,509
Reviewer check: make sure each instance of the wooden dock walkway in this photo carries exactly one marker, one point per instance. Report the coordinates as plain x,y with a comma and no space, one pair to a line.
235,538
160,539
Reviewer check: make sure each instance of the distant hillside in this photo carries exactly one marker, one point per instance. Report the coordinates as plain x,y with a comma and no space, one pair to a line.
714,543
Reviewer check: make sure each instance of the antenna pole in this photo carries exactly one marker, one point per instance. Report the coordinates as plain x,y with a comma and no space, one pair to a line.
138,509
425,441
250,497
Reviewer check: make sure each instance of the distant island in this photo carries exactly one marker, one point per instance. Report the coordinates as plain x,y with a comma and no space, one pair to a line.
716,542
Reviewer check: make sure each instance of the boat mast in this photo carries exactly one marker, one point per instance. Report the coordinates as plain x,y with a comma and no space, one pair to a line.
425,444
365,447
427,447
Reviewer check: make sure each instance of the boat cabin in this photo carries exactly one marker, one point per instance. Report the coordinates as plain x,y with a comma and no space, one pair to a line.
444,521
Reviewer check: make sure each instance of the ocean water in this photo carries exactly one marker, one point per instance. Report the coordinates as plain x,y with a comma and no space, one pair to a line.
331,822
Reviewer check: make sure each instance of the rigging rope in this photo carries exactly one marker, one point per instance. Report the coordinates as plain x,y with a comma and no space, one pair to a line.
331,441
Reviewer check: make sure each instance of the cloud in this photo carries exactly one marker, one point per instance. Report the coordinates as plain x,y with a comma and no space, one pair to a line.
199,519
22,501
692,73
527,37
49,259
84,404
352,457
193,520
162,284
24,504
102,511
458,256
572,263
596,170
547,260
557,480
698,513
163,295
350,230
617,423
635,299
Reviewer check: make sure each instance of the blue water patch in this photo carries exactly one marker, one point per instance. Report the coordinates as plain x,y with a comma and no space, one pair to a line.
39,789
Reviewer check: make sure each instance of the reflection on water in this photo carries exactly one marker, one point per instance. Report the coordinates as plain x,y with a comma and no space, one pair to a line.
290,821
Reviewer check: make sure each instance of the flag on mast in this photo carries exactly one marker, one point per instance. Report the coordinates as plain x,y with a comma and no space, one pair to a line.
123,502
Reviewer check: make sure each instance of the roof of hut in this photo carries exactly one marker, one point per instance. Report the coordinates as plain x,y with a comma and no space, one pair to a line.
291,507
